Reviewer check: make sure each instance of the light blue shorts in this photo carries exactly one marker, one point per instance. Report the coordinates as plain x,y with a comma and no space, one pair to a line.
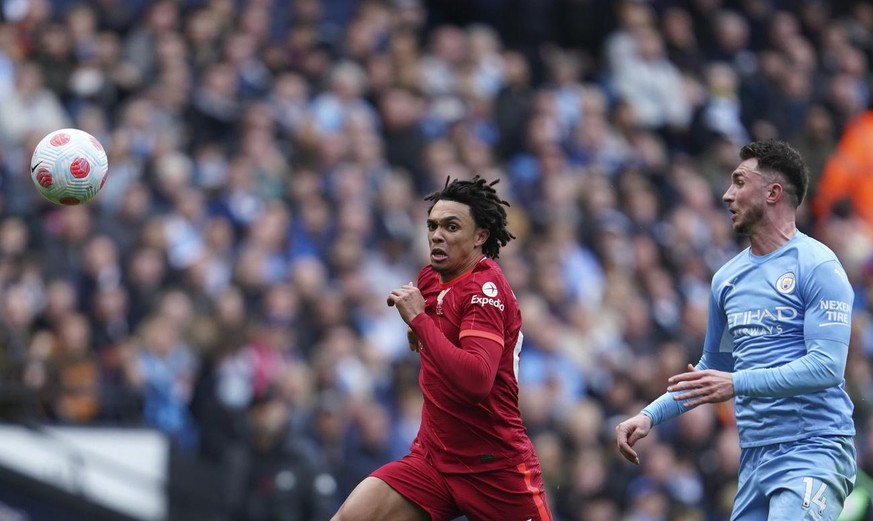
802,480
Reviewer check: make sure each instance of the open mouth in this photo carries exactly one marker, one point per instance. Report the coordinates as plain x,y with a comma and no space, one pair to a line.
438,255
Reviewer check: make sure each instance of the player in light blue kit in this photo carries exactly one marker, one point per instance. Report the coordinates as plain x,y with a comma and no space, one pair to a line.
777,340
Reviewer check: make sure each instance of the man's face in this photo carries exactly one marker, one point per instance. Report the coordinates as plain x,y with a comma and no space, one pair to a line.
746,196
454,239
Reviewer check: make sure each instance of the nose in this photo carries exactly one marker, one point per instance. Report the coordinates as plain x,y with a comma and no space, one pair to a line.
728,195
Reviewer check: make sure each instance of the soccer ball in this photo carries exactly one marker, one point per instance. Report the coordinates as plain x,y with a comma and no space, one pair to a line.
69,166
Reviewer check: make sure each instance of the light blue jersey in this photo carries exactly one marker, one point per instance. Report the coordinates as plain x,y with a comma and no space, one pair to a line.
780,323
768,311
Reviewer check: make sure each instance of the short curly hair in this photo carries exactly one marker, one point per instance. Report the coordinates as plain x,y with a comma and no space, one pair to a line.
486,208
779,157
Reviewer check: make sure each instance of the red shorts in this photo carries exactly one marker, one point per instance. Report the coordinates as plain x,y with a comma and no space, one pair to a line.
513,494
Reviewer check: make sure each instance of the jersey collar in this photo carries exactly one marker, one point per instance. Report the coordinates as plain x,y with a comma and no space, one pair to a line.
459,278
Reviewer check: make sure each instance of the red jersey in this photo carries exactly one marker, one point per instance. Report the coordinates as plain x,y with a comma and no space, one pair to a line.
460,432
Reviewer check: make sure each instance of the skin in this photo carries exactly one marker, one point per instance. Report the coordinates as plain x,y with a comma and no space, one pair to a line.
374,499
455,244
454,238
761,210
455,247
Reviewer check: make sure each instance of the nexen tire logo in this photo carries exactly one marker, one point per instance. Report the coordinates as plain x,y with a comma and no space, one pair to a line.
482,301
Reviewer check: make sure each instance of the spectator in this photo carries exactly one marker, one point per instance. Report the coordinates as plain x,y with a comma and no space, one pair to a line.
263,156
73,382
721,111
30,106
513,104
342,99
284,481
680,41
163,372
846,177
649,82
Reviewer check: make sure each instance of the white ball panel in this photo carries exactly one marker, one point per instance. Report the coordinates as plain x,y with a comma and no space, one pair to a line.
56,153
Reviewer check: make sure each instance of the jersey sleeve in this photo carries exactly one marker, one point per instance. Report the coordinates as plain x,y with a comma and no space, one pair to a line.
827,319
716,355
829,298
484,315
823,366
717,339
472,366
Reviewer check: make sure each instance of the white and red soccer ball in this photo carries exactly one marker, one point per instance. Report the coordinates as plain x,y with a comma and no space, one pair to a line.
69,166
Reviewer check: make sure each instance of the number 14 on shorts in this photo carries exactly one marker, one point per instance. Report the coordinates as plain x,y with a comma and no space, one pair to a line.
817,497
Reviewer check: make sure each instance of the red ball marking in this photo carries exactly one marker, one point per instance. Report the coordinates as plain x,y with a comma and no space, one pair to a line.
103,181
60,139
80,167
44,177
96,143
69,201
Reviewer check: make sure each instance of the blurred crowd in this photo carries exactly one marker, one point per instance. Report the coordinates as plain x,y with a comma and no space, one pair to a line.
268,163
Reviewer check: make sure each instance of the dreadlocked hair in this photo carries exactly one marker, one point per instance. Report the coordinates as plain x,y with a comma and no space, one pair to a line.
486,207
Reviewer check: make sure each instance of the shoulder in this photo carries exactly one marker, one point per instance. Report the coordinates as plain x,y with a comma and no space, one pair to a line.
811,253
729,269
820,270
488,284
426,271
427,276
487,270
486,265
485,278
814,249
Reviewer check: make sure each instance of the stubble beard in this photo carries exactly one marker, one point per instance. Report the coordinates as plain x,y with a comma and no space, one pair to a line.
439,267
747,224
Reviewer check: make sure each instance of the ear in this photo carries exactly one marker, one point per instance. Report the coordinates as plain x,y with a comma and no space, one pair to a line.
775,193
481,236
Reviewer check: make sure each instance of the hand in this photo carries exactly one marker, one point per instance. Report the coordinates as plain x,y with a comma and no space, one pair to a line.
630,431
414,344
408,301
707,386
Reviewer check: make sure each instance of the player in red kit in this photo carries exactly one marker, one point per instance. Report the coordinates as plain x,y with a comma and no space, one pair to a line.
472,455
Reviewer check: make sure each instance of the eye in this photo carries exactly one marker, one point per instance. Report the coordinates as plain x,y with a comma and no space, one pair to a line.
431,226
452,227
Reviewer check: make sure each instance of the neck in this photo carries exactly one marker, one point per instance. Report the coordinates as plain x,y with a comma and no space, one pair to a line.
472,261
770,238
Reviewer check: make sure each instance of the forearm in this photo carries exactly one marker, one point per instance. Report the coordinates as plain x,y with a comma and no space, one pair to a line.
665,407
471,369
822,367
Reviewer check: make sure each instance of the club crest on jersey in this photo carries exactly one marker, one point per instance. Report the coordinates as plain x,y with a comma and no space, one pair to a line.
439,304
785,284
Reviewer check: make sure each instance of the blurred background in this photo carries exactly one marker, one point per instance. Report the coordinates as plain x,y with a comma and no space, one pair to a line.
208,339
